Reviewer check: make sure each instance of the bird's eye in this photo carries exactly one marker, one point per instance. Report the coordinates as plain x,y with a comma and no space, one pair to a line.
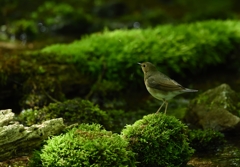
144,65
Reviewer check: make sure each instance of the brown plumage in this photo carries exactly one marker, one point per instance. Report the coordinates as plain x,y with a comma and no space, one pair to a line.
161,86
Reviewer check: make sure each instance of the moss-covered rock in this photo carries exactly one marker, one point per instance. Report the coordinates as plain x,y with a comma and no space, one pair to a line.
216,109
72,111
205,140
87,145
159,140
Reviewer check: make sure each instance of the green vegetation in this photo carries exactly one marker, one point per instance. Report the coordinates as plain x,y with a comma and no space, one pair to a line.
103,66
209,41
205,140
86,145
159,140
72,111
79,17
112,56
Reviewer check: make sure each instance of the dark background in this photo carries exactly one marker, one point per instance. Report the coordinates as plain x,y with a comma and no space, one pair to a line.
28,20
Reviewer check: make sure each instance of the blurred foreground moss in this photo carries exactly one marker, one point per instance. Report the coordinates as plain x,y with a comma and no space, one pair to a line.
86,145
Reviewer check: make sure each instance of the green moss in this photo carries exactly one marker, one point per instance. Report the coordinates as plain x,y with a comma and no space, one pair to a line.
205,140
186,47
72,111
87,145
104,65
159,140
185,42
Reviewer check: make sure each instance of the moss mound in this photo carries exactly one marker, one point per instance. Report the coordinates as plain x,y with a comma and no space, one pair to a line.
159,140
72,111
205,140
87,145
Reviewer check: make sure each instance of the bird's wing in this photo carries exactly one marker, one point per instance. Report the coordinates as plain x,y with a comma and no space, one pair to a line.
162,82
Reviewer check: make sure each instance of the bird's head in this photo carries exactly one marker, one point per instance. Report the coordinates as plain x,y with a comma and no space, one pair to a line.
147,66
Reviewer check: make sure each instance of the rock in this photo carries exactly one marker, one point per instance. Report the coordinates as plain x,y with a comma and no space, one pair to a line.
6,116
215,109
18,140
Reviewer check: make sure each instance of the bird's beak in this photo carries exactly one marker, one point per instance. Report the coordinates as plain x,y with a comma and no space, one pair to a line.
140,64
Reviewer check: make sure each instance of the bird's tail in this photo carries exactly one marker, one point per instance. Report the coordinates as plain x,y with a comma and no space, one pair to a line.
189,90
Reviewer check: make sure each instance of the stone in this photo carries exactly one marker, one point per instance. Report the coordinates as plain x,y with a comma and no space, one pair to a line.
6,116
18,140
216,109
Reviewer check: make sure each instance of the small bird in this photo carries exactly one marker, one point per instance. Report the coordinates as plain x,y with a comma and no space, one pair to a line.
161,86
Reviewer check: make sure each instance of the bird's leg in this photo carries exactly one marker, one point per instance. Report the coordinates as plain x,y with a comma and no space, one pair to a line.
166,106
160,106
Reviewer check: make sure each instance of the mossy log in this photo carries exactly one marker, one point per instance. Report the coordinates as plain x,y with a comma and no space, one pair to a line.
17,140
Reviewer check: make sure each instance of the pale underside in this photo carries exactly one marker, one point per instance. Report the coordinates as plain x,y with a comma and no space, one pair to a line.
163,95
